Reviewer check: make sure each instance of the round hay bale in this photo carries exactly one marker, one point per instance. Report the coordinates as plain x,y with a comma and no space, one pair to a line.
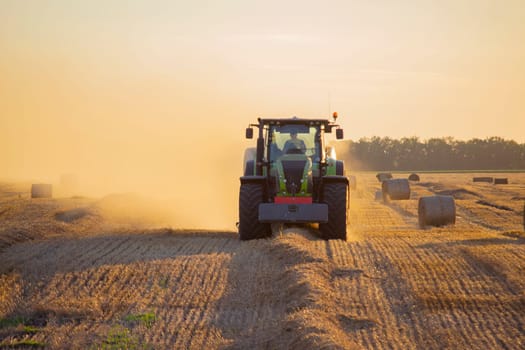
352,182
41,191
483,179
378,195
383,176
501,181
413,177
436,211
396,189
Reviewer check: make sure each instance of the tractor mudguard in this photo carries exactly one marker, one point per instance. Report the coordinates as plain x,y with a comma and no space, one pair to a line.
334,179
253,180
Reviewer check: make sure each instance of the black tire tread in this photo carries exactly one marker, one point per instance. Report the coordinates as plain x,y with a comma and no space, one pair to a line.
335,195
250,196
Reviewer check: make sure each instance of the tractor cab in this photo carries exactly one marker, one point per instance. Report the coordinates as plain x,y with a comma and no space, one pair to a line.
293,139
293,146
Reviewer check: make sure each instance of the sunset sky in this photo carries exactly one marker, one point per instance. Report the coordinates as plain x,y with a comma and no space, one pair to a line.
132,84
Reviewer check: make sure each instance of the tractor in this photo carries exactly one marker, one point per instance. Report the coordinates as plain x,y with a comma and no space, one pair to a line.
293,177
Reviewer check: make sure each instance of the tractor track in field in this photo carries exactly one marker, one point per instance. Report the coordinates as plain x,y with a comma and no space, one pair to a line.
390,286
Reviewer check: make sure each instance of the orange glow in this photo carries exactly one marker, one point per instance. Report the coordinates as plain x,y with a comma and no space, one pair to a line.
154,96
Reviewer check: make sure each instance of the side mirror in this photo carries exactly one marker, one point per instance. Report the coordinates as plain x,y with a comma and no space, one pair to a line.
339,134
249,133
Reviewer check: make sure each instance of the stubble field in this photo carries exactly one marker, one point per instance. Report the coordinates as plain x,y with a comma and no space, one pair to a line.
75,275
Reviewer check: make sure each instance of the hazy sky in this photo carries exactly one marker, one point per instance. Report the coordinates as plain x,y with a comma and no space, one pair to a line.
121,85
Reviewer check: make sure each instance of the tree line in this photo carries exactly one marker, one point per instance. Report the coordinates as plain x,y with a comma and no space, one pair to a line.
446,153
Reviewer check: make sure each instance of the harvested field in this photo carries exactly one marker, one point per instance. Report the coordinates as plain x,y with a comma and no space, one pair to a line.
75,275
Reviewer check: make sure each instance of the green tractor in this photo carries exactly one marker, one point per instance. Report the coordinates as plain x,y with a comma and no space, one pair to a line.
292,177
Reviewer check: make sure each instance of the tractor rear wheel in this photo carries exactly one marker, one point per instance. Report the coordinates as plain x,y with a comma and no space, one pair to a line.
250,196
335,195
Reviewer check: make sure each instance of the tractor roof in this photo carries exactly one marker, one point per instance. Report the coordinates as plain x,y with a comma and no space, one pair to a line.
295,120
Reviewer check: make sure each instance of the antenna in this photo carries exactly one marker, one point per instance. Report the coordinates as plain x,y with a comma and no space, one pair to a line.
329,103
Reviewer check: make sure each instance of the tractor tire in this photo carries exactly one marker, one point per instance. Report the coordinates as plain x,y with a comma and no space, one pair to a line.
335,195
250,196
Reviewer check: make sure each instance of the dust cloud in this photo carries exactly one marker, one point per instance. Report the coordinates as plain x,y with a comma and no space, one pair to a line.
173,173
96,121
